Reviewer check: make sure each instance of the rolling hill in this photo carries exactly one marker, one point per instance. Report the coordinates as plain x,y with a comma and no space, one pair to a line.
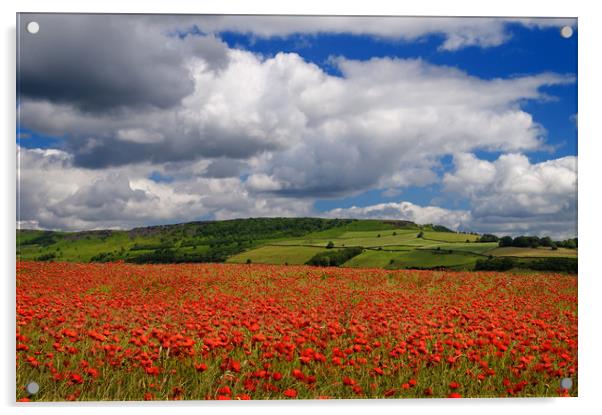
384,244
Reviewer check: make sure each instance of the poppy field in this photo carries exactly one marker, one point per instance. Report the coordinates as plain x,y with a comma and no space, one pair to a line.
117,331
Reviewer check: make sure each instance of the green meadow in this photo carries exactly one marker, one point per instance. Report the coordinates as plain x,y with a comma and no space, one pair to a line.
293,241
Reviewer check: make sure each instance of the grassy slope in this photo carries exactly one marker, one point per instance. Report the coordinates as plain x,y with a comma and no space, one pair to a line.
80,250
399,245
479,248
420,258
270,254
411,258
450,237
187,239
395,242
372,259
358,238
533,252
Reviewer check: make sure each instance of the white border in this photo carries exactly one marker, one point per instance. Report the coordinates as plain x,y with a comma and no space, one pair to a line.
590,344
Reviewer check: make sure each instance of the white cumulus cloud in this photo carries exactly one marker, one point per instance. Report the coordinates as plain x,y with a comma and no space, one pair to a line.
513,195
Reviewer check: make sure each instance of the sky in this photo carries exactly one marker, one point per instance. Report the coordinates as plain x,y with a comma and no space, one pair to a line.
135,120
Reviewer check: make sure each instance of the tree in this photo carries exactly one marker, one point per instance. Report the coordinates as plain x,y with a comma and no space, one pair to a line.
488,238
420,235
521,242
546,241
505,241
534,242
249,260
330,245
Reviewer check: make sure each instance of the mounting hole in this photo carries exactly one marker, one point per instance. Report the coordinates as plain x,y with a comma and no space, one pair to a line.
33,27
566,32
566,383
32,388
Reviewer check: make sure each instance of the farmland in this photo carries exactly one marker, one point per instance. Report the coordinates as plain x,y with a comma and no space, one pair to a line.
281,241
119,331
294,255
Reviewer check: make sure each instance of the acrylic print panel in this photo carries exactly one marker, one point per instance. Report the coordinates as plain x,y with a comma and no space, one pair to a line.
295,207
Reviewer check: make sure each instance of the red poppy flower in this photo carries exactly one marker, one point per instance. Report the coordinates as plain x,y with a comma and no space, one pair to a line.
290,393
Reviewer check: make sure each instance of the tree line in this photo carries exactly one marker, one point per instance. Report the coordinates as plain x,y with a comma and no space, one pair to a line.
523,241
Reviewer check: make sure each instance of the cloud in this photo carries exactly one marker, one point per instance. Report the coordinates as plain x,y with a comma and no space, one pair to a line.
513,195
108,62
383,124
386,122
508,196
456,33
53,193
222,168
240,134
139,135
454,219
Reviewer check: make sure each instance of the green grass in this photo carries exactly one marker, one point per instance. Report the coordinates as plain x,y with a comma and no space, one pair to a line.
372,259
275,241
209,240
358,226
480,248
411,258
365,238
533,252
450,236
277,255
428,259
79,250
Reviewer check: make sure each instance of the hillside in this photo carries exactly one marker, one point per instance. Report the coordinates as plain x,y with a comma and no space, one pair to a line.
341,242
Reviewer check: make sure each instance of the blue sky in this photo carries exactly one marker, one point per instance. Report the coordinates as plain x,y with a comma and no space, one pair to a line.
528,52
466,122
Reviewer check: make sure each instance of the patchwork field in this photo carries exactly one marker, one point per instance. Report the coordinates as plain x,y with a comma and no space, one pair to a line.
293,241
533,252
293,255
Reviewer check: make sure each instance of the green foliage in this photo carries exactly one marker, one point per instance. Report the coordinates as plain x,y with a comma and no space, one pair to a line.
488,238
552,264
104,257
146,247
292,240
569,265
334,258
441,228
535,242
172,256
218,240
546,241
46,257
495,264
568,243
224,232
45,239
505,241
